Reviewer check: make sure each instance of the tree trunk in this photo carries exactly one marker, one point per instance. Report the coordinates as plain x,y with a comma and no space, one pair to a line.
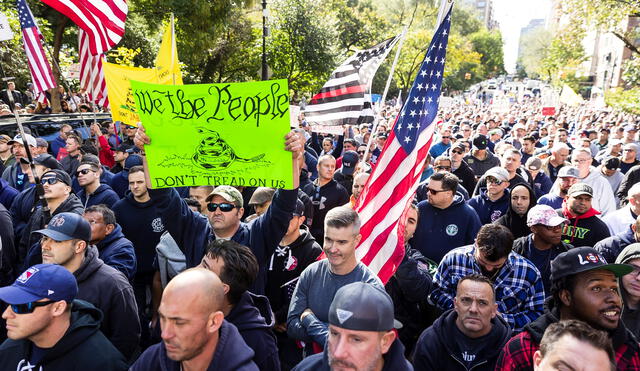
627,43
57,44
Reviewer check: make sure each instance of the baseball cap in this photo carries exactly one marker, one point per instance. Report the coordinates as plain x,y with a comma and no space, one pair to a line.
261,195
61,175
533,163
498,173
583,259
480,141
349,161
67,226
228,193
362,306
545,215
518,126
630,127
580,189
47,161
615,142
131,161
568,172
631,146
299,211
123,148
31,141
459,145
41,281
4,138
611,163
41,142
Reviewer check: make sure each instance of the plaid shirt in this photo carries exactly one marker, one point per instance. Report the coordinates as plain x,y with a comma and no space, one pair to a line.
519,288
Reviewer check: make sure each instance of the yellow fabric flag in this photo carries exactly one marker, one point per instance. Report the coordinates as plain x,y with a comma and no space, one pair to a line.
121,100
570,97
167,59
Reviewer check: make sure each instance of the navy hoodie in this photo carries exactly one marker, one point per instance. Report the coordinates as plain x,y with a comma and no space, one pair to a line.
7,194
83,347
442,230
142,225
102,195
231,354
489,211
117,251
253,318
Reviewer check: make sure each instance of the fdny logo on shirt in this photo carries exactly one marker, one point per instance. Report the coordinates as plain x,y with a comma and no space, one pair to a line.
451,230
24,277
157,226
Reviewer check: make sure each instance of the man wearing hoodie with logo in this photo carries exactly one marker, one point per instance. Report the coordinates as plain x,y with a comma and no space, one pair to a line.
93,192
583,287
493,201
468,337
49,330
585,227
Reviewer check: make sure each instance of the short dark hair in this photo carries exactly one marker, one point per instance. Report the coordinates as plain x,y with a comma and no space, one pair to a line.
564,283
449,181
495,241
136,169
580,331
193,202
108,215
529,138
240,266
351,141
478,278
342,217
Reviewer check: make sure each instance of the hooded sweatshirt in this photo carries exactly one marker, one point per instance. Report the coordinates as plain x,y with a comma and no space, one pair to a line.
442,230
489,211
583,230
603,198
324,199
444,347
517,224
480,167
630,316
83,347
102,195
117,251
611,247
253,318
231,354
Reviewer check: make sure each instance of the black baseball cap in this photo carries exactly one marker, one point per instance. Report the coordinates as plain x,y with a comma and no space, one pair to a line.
67,226
361,306
47,161
583,259
480,141
61,175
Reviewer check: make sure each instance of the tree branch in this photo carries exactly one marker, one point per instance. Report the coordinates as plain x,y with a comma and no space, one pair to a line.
627,42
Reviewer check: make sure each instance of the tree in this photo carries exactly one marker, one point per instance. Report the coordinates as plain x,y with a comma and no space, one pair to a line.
534,48
564,54
489,45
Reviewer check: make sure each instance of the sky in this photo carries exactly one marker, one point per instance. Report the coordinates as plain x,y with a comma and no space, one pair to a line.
512,16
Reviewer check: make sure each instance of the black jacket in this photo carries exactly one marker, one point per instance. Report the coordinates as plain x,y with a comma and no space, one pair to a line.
253,318
631,177
83,347
517,224
324,199
110,291
439,346
7,250
231,354
612,246
466,176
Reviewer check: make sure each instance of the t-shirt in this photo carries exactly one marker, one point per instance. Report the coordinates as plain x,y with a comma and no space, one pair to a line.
469,348
542,260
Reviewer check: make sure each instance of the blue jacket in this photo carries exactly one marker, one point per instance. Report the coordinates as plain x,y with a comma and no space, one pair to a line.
438,149
7,194
192,231
56,144
105,178
21,210
117,251
612,246
542,184
120,183
552,200
231,354
489,211
442,230
103,195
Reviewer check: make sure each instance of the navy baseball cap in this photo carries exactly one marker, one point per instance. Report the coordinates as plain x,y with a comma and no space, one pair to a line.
42,281
362,306
67,226
349,161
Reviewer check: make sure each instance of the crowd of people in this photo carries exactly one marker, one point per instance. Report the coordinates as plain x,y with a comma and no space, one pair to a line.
522,252
31,102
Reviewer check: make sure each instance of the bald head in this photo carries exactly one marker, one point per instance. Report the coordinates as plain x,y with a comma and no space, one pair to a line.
197,286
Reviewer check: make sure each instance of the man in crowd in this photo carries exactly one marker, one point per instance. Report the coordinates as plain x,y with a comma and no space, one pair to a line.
6,155
446,220
460,168
237,268
611,247
577,346
16,96
61,140
628,160
445,143
361,335
16,173
585,227
309,310
583,287
493,201
519,289
469,336
195,335
480,159
567,176
603,199
48,328
552,164
65,242
200,193
630,287
620,220
359,181
120,155
71,161
93,192
344,175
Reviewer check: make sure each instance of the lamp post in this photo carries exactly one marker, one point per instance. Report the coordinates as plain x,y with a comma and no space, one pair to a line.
265,32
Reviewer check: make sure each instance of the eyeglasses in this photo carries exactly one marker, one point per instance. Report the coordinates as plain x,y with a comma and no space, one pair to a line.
443,167
435,191
446,137
361,152
224,207
493,180
29,307
51,181
85,171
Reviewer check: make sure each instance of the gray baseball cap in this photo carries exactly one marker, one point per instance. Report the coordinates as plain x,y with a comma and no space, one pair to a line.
362,306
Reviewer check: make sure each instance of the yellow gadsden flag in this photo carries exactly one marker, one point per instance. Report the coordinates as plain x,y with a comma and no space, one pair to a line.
569,97
123,104
167,59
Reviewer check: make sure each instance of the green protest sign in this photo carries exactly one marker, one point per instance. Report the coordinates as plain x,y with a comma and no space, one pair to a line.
216,134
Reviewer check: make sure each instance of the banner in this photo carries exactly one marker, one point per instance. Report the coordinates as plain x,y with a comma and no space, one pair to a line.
216,134
167,59
5,29
119,89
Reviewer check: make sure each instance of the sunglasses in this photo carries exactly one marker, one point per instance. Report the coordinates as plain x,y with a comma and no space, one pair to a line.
84,171
443,167
493,180
224,207
130,127
457,152
361,152
435,191
29,307
446,137
51,181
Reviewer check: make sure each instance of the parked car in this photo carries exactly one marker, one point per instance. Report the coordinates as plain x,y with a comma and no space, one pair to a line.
48,126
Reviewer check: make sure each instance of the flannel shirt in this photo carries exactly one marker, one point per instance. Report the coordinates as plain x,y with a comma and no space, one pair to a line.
519,289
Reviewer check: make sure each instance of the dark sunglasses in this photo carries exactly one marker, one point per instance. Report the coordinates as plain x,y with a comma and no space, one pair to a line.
130,127
51,181
361,152
84,171
436,191
446,137
457,152
224,207
443,167
493,180
29,307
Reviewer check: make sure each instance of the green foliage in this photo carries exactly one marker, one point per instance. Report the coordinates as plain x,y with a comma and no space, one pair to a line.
631,74
626,100
535,46
564,54
489,45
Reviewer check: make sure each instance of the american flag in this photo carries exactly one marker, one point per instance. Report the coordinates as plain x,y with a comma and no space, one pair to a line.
91,73
367,115
341,99
103,20
39,67
391,186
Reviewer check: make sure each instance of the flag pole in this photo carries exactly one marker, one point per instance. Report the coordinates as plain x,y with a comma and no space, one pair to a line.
173,52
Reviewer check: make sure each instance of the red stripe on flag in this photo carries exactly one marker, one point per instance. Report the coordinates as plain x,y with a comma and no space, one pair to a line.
338,92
